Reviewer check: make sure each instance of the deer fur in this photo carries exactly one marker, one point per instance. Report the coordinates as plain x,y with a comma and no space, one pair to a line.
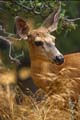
46,73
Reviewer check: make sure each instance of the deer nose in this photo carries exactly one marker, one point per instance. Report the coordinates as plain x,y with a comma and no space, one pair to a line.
59,59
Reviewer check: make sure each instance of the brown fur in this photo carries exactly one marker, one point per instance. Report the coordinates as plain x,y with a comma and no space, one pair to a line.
61,82
64,78
45,74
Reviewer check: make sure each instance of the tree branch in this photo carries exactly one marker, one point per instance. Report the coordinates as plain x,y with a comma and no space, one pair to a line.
71,20
14,59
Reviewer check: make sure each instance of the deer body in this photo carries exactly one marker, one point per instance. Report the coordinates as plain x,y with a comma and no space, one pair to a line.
45,74
49,69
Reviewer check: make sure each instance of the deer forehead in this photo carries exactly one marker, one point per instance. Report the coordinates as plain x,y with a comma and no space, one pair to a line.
42,35
48,38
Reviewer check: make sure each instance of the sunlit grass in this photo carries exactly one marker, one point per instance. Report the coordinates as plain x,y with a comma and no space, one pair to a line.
15,105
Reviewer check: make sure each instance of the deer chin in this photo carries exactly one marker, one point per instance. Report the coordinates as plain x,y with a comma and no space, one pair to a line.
58,63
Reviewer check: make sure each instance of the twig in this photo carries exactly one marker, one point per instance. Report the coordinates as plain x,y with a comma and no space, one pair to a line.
23,6
71,20
10,56
3,1
14,59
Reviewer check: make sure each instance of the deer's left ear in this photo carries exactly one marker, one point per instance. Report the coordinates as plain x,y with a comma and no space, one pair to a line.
51,22
21,28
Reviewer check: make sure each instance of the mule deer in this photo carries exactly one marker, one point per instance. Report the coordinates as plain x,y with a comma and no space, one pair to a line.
49,68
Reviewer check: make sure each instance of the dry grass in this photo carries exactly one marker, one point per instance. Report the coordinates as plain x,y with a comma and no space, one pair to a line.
14,105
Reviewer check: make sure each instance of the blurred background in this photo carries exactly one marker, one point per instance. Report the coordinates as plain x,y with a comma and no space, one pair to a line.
35,11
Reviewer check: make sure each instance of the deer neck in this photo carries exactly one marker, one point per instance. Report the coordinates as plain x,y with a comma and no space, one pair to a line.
43,73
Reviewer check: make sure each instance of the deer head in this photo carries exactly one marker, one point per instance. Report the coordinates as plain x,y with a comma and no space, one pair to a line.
41,42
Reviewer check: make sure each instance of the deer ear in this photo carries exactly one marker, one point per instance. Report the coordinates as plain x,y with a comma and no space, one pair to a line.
21,28
51,22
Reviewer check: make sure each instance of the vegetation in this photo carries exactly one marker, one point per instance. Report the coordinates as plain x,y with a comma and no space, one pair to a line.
37,10
14,105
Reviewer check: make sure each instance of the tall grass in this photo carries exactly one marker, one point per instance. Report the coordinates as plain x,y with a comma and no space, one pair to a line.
14,105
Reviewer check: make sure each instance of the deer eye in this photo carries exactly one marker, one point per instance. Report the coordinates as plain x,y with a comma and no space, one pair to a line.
38,43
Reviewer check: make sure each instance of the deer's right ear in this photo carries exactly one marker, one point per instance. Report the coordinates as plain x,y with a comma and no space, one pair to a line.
21,28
